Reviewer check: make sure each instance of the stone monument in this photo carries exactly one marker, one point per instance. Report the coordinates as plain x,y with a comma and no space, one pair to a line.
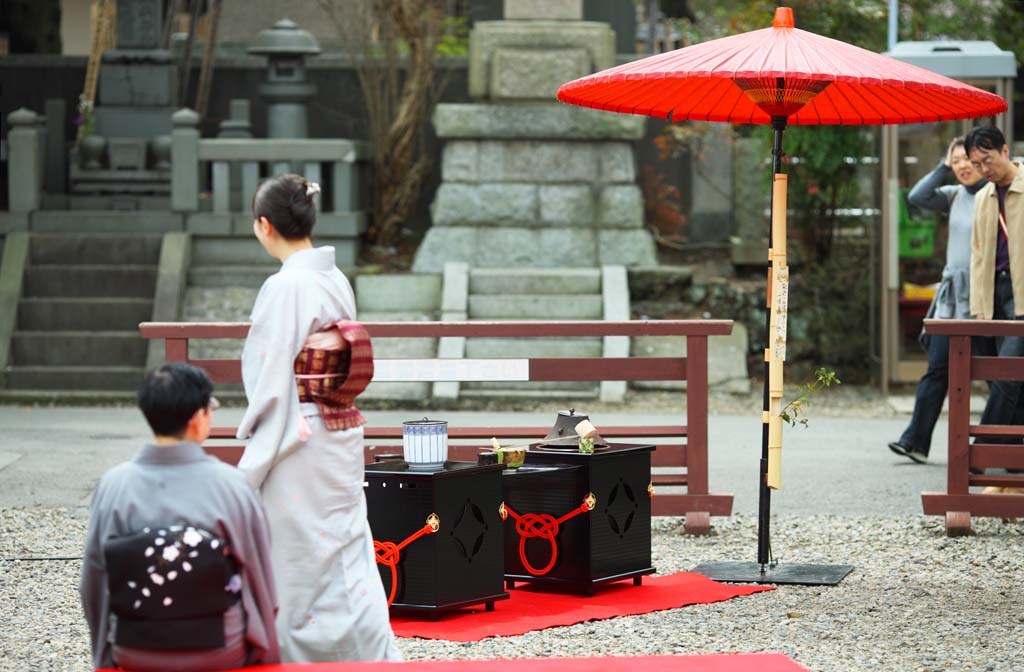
528,181
129,155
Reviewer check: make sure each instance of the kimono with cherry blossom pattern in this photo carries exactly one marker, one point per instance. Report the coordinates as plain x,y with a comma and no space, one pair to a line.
180,485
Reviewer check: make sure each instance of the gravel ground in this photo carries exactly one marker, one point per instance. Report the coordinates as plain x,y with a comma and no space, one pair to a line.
917,600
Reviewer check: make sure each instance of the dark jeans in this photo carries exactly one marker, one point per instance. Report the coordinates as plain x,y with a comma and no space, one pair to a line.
931,391
1005,396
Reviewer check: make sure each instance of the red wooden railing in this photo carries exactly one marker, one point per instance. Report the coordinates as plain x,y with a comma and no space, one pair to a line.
697,504
958,503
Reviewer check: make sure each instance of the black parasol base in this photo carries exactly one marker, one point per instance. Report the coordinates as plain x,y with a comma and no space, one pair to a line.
796,575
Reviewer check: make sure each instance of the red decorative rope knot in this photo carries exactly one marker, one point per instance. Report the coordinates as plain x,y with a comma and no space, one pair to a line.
650,489
544,526
389,553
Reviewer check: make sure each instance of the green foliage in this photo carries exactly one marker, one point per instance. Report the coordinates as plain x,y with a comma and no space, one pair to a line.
830,312
864,22
822,168
455,40
1008,28
86,118
792,411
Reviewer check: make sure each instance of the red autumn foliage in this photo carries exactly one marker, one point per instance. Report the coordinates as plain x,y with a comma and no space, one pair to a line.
662,208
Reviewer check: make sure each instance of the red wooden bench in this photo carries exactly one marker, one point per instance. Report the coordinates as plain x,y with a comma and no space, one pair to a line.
958,503
688,461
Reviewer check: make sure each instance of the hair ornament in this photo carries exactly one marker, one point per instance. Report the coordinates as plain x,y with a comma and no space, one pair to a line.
312,188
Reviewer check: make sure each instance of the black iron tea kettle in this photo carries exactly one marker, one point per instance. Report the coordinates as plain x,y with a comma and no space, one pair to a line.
563,434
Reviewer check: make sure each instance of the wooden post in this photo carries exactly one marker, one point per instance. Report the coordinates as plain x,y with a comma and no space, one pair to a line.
176,349
173,7
209,56
959,414
697,522
185,68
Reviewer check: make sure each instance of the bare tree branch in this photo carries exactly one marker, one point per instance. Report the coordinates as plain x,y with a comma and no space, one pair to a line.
393,44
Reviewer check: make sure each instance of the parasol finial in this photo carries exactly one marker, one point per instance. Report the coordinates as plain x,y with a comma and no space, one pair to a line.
783,18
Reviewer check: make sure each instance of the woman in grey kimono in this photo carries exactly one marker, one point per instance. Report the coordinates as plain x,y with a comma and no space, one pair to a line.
952,299
332,601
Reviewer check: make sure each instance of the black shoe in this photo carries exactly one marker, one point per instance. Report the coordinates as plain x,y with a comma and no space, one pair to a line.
917,456
899,448
906,451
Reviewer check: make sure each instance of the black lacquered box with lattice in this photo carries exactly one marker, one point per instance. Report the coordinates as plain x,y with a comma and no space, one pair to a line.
601,503
458,563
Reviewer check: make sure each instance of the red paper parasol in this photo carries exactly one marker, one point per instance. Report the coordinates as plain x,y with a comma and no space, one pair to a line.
780,71
779,75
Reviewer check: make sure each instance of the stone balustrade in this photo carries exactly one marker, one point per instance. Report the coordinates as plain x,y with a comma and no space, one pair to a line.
337,164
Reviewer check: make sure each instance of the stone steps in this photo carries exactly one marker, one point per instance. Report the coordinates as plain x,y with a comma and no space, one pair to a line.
234,262
125,222
487,348
502,281
231,275
62,313
399,298
536,307
74,348
83,296
109,378
497,294
112,249
125,280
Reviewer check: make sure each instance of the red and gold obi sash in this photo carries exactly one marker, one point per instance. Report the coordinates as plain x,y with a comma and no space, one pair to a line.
333,368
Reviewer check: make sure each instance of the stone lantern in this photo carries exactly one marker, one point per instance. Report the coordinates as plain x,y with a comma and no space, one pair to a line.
286,89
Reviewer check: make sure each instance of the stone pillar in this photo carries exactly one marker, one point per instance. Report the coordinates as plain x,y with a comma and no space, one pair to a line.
138,86
564,10
24,161
139,24
231,180
529,58
185,161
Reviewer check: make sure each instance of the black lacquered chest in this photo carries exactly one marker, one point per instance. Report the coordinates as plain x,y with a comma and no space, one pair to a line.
579,519
438,534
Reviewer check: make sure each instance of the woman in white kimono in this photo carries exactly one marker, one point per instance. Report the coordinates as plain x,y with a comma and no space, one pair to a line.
332,602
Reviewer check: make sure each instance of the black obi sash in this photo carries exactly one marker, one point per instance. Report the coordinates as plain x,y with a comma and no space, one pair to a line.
169,587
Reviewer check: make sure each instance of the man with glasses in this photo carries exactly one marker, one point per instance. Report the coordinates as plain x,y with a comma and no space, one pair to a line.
176,573
997,262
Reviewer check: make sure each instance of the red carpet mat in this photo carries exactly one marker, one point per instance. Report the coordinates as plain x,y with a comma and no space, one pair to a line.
719,662
536,608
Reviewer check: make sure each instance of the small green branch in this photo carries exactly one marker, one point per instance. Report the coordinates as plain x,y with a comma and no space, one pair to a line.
792,412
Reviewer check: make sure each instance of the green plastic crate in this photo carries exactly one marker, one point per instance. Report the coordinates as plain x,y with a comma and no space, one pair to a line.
917,231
